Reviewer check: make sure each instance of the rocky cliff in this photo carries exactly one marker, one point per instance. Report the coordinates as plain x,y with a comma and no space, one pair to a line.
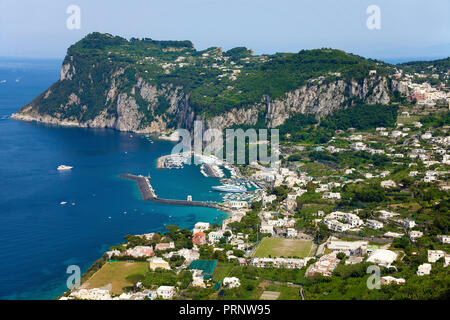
104,92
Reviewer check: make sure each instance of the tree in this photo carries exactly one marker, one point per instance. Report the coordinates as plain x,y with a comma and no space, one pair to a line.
340,255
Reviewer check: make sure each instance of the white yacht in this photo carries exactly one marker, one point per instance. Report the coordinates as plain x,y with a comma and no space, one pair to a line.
64,167
229,188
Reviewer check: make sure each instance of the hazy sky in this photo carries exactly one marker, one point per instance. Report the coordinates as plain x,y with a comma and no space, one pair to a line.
409,28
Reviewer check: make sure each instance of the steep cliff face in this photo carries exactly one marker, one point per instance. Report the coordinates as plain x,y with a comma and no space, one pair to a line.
320,99
136,111
123,112
101,86
400,86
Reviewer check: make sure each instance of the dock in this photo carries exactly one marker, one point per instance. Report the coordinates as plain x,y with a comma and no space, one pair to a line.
144,185
214,171
149,194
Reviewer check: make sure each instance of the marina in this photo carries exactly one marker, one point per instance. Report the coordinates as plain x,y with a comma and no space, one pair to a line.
233,186
173,161
230,188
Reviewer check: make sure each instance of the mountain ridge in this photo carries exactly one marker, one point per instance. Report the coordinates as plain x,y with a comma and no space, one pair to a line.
151,86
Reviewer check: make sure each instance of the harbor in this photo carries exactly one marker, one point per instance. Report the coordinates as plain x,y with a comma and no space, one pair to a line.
234,189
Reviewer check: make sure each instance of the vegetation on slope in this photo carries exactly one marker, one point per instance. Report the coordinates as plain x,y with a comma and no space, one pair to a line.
216,81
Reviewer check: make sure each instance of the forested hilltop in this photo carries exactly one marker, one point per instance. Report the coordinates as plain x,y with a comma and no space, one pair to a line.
434,72
144,85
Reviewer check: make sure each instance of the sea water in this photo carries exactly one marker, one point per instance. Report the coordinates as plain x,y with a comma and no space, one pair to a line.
39,236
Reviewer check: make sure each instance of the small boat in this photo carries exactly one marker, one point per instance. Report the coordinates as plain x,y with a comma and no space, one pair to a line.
64,167
63,202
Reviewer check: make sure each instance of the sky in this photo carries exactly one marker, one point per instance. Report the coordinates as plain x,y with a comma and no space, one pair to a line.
408,28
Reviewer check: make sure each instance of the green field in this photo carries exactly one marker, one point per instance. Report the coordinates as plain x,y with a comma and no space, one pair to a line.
280,247
222,270
407,120
286,293
117,275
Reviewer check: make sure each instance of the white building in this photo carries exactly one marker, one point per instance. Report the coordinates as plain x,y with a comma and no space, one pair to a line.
91,294
388,184
188,254
166,292
382,257
289,263
409,223
387,214
350,248
391,234
139,251
374,224
267,199
384,174
197,278
397,134
231,282
266,228
356,137
414,234
435,255
444,238
332,195
157,262
165,246
336,225
236,204
424,269
368,175
386,280
292,233
353,220
201,226
215,236
358,146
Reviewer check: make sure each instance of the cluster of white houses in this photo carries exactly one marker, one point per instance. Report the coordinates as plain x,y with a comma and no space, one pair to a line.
289,263
342,221
163,292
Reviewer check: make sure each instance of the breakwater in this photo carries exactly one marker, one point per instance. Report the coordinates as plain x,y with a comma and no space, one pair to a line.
149,194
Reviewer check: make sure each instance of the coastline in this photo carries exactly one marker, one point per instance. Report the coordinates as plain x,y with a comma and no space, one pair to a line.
100,122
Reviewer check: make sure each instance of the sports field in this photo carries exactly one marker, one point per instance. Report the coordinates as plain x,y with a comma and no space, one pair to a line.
281,247
117,275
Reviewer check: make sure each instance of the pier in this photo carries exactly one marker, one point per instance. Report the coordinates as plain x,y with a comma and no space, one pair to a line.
149,194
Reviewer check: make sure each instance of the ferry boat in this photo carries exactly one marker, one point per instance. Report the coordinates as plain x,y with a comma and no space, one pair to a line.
229,188
64,167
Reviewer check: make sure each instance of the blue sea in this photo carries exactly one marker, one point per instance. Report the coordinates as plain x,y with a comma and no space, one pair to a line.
39,237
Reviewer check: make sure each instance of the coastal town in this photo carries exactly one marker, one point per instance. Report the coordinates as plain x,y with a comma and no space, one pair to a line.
226,160
372,197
